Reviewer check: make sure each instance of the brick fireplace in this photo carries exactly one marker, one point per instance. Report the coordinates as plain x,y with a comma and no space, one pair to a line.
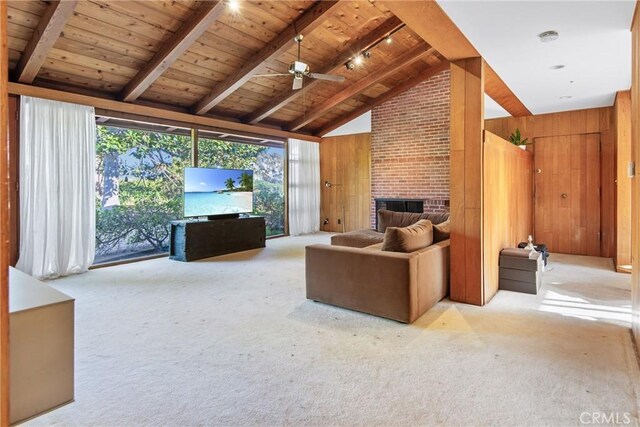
410,146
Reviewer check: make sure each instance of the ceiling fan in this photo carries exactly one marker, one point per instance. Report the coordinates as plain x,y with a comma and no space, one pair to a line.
299,70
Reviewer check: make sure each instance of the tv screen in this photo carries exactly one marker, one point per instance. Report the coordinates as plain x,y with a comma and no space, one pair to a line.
217,191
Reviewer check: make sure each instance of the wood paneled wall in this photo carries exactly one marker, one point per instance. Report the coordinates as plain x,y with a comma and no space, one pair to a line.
635,186
622,126
508,203
467,114
345,161
4,220
595,120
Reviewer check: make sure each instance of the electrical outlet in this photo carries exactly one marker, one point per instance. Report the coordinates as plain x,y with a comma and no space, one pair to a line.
326,221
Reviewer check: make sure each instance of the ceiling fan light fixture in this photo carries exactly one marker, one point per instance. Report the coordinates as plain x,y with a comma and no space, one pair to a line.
366,54
300,67
548,36
350,65
358,60
389,40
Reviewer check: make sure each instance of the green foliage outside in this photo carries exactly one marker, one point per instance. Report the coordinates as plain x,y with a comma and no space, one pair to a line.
140,183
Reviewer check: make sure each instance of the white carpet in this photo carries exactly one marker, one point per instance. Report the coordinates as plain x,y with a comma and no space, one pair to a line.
233,341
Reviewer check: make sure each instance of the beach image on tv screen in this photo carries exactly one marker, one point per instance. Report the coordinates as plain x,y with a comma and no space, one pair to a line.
217,191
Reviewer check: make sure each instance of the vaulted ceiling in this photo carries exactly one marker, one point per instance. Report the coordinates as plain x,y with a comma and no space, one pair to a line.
205,58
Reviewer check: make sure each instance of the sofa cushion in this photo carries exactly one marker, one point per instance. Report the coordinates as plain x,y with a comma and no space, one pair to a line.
408,239
396,219
436,218
388,218
441,231
357,239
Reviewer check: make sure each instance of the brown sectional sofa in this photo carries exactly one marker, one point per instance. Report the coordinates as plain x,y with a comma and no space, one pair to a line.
353,274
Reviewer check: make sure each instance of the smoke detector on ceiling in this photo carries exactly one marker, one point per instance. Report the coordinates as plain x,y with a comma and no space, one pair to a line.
548,36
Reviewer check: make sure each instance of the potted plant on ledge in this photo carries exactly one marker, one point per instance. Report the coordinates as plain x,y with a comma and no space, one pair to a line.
516,139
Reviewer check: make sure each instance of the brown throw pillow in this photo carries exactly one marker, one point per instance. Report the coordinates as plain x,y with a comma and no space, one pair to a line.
441,231
396,219
408,239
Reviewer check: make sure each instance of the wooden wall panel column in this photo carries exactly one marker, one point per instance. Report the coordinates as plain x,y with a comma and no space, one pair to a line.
635,189
345,161
622,124
467,125
4,220
508,203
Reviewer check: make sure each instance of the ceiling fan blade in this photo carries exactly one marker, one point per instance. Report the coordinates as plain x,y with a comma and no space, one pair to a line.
297,83
330,77
271,75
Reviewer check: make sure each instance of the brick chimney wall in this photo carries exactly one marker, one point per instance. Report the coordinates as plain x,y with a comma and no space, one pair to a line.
410,146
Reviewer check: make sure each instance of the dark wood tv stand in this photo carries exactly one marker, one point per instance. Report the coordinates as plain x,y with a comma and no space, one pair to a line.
197,239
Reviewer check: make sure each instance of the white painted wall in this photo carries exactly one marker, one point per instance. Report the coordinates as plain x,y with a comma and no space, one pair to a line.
360,124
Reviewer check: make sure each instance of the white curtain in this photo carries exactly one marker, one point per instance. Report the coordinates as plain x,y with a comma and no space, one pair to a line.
57,188
304,187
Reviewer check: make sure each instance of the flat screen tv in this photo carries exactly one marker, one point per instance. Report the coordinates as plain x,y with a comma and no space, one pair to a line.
214,192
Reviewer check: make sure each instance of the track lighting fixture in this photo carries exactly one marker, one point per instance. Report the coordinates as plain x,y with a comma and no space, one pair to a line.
234,5
366,54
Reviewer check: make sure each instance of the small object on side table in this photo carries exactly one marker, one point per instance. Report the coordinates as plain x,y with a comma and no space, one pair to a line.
539,247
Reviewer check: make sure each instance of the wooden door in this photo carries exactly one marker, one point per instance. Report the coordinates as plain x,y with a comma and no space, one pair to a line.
567,193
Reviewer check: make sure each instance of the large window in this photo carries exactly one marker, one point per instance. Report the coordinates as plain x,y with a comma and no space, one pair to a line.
139,185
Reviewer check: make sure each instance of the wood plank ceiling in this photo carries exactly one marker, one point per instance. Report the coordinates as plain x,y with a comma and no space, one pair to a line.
203,57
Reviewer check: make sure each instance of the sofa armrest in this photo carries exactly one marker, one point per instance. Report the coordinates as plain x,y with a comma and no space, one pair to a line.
433,275
380,283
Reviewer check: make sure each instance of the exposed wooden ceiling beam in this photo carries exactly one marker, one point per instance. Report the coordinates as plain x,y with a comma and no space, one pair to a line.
427,19
391,93
152,112
498,90
181,40
375,77
44,37
388,26
310,20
